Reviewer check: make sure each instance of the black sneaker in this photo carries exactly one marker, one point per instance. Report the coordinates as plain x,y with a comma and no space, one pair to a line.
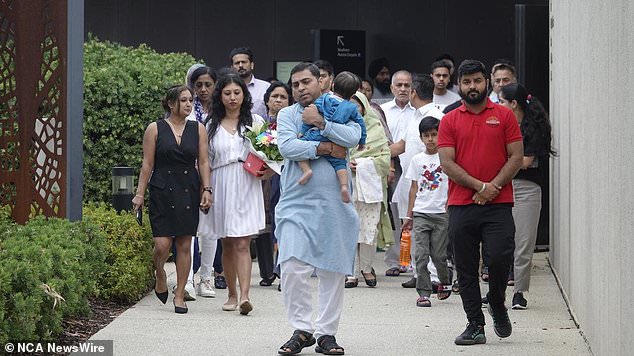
501,322
518,301
409,284
220,282
473,334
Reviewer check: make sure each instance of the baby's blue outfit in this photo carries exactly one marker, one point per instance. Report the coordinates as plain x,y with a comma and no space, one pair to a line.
336,110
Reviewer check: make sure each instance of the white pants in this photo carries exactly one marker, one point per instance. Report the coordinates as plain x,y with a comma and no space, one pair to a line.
190,278
364,258
297,298
207,254
208,247
392,254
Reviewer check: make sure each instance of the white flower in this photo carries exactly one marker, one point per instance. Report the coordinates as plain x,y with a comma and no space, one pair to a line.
257,127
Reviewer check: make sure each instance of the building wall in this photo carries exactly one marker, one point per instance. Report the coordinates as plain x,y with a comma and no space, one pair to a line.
409,33
592,195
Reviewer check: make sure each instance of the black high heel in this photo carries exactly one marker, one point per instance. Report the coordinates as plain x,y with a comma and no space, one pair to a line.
179,310
162,296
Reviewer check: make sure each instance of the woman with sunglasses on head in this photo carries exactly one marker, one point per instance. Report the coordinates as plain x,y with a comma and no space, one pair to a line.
174,165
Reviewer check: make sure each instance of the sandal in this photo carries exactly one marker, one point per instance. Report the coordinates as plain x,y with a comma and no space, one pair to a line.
393,272
297,342
351,282
327,345
485,274
423,302
266,282
372,281
455,288
444,291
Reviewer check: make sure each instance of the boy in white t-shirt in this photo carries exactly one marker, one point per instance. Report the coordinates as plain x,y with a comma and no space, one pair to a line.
427,213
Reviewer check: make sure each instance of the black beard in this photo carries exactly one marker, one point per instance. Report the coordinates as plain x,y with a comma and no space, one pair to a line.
384,88
245,74
473,101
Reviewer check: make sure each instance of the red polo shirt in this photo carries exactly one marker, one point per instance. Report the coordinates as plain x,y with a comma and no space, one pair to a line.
480,142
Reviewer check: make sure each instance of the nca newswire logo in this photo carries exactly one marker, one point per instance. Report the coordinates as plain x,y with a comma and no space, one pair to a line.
100,347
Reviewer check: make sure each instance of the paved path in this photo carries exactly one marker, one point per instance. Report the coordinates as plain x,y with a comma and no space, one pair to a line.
379,321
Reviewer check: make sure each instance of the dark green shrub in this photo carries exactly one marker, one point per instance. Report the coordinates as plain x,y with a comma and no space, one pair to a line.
128,249
48,270
123,87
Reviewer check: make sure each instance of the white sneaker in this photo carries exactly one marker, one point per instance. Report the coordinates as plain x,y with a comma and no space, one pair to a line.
190,291
206,289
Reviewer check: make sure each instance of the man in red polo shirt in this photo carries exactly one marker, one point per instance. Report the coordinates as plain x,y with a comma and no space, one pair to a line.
480,147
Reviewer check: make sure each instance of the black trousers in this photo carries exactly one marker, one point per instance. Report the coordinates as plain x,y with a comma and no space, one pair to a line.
493,226
218,259
264,244
264,249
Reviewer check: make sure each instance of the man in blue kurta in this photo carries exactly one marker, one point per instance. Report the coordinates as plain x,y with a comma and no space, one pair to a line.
315,229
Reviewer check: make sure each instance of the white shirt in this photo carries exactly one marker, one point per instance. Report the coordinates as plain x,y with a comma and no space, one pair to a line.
257,88
494,97
397,119
448,98
431,196
413,146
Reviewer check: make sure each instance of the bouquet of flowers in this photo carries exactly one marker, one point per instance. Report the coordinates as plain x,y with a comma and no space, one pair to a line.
263,139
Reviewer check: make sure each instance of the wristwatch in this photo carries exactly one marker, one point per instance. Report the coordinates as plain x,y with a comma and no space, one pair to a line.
208,189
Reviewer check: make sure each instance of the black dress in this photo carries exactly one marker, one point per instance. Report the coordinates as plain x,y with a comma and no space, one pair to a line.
175,185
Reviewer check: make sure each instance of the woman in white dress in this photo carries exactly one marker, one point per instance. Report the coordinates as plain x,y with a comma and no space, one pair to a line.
237,214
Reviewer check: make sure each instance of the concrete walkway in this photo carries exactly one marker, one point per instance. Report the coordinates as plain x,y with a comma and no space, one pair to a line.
379,321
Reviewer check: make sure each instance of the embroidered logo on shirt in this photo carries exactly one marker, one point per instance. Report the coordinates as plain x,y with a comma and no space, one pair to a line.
493,121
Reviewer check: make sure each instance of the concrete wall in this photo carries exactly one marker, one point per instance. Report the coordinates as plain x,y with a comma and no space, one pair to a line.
592,190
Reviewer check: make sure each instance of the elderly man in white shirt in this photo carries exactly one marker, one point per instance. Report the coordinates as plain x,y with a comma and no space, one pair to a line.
242,63
399,113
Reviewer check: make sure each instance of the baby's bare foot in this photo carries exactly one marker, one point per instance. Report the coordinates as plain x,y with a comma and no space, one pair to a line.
345,196
305,177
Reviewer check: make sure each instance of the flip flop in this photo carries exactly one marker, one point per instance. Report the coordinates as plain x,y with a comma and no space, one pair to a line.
393,272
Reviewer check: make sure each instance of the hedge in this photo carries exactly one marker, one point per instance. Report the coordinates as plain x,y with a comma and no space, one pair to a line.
128,253
123,87
50,268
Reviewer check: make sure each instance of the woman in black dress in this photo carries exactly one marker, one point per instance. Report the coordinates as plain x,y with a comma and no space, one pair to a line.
171,148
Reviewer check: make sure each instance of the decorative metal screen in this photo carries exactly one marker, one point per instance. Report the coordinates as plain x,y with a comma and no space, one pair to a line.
33,107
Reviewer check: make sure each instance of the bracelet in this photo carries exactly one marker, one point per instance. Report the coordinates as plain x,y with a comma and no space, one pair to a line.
484,186
406,218
208,189
140,196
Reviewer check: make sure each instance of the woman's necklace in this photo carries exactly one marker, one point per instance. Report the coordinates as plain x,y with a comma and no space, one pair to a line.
175,129
230,125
